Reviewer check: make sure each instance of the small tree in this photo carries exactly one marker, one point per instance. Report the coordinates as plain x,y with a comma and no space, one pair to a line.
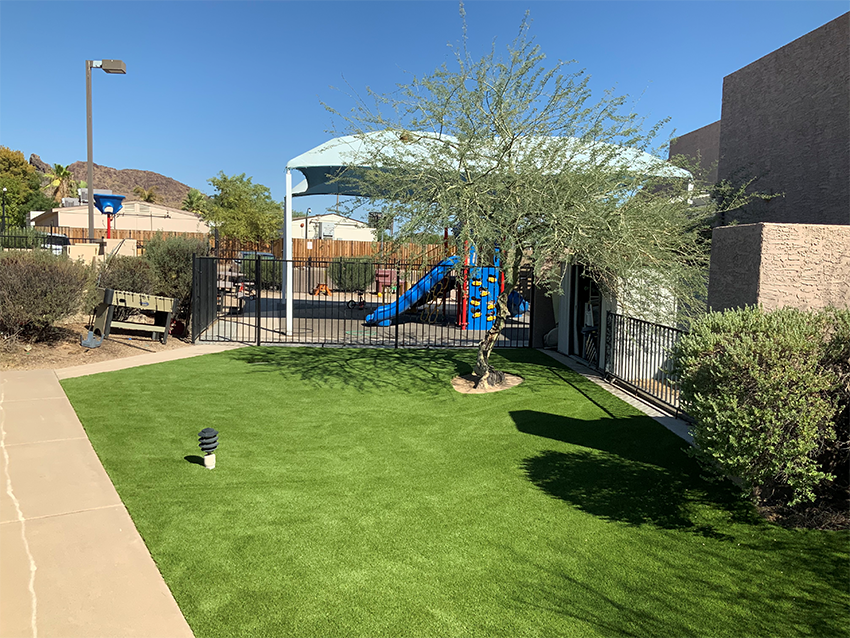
511,154
61,180
195,201
23,187
149,195
244,210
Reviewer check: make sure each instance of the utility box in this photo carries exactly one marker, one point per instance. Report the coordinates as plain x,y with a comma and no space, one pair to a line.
326,230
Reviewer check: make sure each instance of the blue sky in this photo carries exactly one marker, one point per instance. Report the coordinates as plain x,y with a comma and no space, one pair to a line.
238,86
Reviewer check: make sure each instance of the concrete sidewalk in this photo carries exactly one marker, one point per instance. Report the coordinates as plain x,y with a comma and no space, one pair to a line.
71,560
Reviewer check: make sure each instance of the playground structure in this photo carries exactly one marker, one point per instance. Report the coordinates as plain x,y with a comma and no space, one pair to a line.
478,289
323,167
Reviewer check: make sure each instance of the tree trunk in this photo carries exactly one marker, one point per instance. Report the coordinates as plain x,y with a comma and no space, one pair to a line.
487,376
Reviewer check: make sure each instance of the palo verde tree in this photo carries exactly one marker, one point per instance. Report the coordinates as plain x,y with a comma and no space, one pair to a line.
244,210
509,153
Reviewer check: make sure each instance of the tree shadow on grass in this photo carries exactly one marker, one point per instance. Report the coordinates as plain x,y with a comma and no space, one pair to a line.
612,488
630,470
687,590
365,369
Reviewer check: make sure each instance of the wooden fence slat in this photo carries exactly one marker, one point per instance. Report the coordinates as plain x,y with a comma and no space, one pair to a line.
322,249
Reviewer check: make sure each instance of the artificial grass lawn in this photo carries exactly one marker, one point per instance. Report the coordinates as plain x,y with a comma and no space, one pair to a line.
357,494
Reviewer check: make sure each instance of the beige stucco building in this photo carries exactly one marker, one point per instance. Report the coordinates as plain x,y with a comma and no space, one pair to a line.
332,226
780,265
133,216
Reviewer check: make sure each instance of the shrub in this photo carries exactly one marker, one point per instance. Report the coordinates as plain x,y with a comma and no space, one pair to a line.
271,271
38,289
133,274
763,394
352,273
171,260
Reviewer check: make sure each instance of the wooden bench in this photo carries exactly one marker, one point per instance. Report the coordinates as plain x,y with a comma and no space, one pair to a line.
163,307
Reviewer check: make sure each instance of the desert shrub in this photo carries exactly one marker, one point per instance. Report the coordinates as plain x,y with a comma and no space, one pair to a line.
352,273
835,458
38,289
133,274
271,271
21,238
763,390
171,260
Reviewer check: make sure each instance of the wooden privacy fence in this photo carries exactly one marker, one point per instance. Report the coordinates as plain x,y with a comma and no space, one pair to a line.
328,249
319,249
80,235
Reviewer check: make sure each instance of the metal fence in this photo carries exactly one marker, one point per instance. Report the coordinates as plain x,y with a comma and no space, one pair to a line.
35,241
341,302
57,243
637,354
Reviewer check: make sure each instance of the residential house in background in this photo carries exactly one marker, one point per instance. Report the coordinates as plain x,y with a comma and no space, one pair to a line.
137,216
331,226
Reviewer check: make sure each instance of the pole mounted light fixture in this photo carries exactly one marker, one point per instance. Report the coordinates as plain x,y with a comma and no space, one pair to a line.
3,228
109,66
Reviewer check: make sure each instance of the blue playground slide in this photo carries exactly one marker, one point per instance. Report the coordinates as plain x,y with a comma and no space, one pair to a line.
383,316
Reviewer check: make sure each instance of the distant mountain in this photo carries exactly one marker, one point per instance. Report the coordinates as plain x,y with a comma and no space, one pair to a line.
169,192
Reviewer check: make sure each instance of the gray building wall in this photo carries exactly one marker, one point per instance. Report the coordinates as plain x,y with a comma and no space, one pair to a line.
786,119
703,143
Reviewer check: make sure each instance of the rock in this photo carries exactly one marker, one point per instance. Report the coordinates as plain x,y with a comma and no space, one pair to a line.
40,166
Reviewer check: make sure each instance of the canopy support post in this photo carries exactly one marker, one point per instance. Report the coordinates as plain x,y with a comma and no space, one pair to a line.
289,288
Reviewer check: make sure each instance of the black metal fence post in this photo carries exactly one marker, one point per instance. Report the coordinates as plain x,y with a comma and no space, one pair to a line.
397,291
258,291
531,310
193,323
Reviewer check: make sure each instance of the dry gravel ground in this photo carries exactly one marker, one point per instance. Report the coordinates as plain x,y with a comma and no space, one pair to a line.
64,349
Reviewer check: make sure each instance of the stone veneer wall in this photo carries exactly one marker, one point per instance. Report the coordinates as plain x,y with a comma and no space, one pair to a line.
780,265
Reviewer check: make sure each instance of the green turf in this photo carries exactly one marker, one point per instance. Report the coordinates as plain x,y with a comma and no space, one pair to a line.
357,494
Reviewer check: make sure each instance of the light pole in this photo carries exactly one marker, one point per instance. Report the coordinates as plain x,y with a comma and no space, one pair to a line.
110,66
3,229
306,224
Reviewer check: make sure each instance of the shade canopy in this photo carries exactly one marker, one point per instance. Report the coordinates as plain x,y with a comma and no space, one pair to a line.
323,165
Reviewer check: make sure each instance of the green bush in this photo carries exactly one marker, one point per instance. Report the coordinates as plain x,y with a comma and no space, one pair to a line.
352,273
763,389
270,270
133,274
171,260
21,238
38,289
